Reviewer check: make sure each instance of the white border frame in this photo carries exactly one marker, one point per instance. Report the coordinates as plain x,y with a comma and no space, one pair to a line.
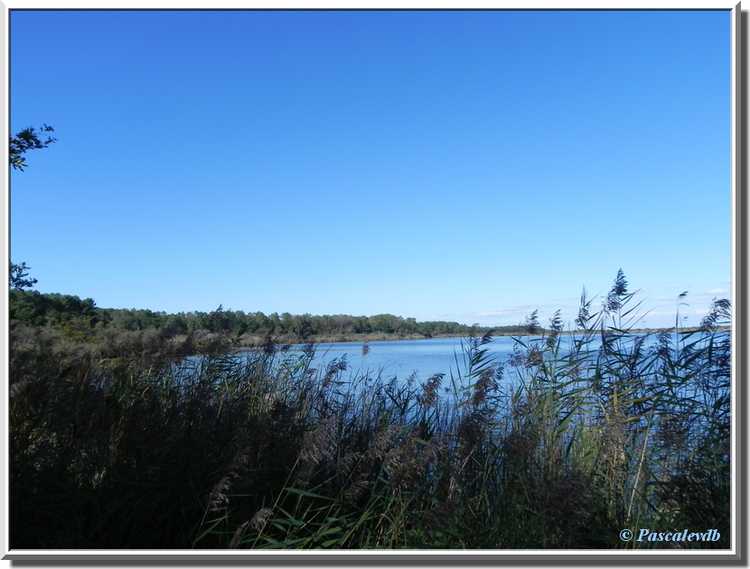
436,557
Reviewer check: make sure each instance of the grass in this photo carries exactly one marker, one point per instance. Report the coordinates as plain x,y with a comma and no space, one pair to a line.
573,439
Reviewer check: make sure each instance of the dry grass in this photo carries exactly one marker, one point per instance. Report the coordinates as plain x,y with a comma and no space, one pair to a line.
570,441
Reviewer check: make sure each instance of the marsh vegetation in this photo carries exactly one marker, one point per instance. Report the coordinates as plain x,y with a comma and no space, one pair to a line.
112,445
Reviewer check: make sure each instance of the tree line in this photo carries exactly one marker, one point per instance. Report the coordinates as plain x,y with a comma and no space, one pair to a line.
42,309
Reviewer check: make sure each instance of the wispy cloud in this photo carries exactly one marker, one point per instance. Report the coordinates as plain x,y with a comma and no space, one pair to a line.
656,311
717,291
505,312
517,313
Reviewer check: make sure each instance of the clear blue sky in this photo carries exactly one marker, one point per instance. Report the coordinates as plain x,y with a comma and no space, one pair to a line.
454,165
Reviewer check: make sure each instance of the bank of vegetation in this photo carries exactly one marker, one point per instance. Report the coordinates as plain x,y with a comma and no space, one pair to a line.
196,331
122,444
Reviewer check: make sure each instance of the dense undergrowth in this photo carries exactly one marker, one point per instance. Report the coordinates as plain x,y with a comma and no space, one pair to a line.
562,446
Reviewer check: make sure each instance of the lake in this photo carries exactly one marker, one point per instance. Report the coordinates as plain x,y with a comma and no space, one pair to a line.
401,358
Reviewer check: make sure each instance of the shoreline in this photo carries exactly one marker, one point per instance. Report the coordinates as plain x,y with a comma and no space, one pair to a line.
250,342
259,341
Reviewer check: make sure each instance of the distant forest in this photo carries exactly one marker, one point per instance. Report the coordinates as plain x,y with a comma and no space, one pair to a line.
40,309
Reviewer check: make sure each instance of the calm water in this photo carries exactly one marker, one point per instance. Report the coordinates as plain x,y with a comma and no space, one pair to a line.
424,358
401,358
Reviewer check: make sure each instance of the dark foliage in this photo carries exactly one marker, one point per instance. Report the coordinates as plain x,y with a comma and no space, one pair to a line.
18,276
39,309
28,139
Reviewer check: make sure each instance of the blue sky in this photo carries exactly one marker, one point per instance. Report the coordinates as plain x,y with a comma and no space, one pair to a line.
468,166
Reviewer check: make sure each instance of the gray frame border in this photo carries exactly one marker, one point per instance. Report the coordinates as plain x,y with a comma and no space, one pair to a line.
492,557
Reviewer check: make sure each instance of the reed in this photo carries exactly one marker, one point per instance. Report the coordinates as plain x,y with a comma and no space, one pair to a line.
573,439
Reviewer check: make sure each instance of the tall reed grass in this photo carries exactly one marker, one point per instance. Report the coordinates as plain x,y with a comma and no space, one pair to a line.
570,441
